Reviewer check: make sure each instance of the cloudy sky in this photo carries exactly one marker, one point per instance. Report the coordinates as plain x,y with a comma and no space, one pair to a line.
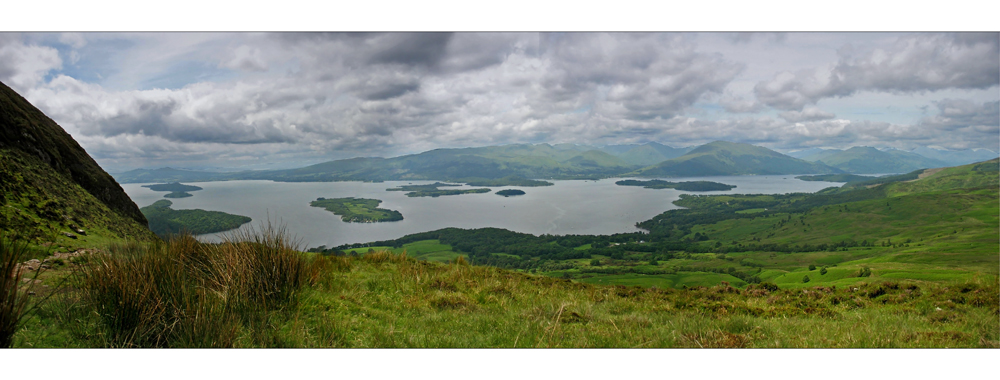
277,100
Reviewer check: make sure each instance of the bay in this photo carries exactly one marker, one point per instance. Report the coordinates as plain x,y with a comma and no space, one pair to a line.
568,207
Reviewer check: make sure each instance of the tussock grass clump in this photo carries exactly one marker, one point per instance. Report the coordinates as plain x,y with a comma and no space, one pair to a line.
183,293
13,299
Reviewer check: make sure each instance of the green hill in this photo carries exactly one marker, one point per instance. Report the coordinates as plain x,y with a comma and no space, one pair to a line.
51,190
867,160
647,154
726,158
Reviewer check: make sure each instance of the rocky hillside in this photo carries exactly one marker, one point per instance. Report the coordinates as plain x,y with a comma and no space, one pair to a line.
50,188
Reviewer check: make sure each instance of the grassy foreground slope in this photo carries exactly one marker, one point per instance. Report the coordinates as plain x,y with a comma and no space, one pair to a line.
381,299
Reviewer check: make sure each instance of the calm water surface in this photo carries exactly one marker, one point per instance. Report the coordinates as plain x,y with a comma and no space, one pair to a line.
569,207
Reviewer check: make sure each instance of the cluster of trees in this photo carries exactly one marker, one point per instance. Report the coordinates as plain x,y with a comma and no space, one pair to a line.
685,186
781,247
505,181
173,187
357,210
750,278
510,192
433,191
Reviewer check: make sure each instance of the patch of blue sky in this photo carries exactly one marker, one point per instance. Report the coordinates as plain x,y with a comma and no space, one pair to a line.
184,73
95,62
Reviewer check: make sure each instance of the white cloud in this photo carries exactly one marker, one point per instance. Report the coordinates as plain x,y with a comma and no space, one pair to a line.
245,58
22,67
74,40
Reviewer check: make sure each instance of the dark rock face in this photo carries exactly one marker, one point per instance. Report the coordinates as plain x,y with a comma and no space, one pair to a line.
25,128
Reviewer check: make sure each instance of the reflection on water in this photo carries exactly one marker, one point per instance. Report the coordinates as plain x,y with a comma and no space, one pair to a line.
569,207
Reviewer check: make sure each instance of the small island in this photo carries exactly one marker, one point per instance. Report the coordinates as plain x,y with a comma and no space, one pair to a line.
357,210
176,189
165,221
505,181
510,192
835,178
433,191
683,186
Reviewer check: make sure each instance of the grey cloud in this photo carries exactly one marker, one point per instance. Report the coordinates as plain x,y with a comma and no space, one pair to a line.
476,51
808,114
960,115
417,49
643,76
328,96
743,38
740,105
914,63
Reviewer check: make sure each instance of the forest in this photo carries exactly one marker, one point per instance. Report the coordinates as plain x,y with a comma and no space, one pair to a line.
165,221
510,192
433,191
357,210
684,186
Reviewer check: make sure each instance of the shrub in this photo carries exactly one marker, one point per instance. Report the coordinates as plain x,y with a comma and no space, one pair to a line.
13,301
805,279
769,286
822,271
595,263
183,293
812,267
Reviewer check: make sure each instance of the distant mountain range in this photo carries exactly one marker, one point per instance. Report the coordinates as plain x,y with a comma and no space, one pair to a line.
957,157
645,154
868,160
727,158
543,161
570,161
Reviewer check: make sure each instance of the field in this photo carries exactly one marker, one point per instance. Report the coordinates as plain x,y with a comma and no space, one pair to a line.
430,250
382,299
